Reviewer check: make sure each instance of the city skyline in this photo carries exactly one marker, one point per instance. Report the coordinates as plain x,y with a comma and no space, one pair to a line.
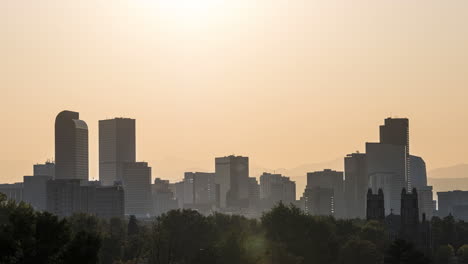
299,82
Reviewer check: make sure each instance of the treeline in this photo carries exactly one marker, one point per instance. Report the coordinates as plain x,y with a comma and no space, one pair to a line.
285,235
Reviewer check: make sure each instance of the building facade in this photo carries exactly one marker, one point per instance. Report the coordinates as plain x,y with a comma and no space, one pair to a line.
329,179
116,147
232,175
71,146
356,185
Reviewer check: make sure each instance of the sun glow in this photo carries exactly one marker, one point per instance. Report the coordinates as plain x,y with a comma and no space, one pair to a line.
187,12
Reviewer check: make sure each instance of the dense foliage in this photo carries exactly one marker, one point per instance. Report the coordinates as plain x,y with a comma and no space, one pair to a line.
285,235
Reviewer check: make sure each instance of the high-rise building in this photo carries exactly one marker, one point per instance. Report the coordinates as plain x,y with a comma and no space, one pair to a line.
68,197
395,131
318,201
418,172
275,188
163,197
71,146
116,147
232,175
136,180
386,169
425,202
329,179
448,201
356,185
46,169
13,191
35,191
254,192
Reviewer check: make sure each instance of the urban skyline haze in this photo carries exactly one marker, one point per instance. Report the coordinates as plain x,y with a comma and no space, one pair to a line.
280,85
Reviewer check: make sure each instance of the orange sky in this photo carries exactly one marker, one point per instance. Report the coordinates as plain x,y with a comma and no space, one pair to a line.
285,82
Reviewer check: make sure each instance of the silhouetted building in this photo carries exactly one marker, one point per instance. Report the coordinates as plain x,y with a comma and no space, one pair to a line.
68,197
163,197
71,146
329,179
275,188
375,209
386,168
13,191
232,175
200,191
425,202
136,180
46,169
395,131
116,147
449,200
409,215
318,201
178,191
254,192
35,191
356,185
418,172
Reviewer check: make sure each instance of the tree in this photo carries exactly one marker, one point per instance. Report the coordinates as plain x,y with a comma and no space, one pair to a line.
357,251
462,254
444,255
83,249
402,252
132,226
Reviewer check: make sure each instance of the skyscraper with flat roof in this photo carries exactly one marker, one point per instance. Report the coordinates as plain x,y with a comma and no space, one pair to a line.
329,181
395,131
71,146
356,185
232,175
116,146
136,180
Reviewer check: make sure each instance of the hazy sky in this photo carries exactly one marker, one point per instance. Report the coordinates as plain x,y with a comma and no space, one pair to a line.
286,82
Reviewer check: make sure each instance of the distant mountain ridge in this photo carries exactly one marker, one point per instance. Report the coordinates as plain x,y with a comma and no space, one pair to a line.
456,171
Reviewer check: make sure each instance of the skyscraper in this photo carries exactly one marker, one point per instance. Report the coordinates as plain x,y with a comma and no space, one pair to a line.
325,181
232,175
418,172
116,146
356,185
71,146
275,188
136,180
386,171
395,131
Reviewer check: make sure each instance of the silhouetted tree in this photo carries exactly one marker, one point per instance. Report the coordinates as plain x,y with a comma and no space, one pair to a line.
357,251
402,252
133,228
444,255
462,254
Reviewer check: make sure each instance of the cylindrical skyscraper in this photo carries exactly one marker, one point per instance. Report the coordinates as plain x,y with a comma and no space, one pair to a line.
71,146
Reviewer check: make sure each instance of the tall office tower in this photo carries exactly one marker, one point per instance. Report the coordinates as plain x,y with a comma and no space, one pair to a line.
189,192
275,188
318,201
46,169
418,172
204,189
395,131
254,192
425,202
386,171
232,175
356,185
329,179
163,197
71,146
136,180
116,146
375,206
178,191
